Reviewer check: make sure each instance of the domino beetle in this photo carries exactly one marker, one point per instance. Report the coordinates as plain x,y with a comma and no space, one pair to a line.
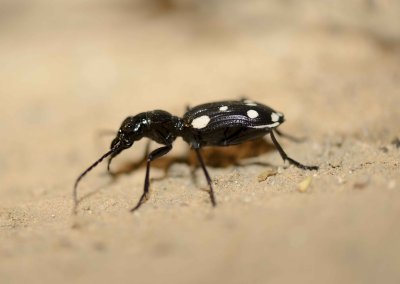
222,123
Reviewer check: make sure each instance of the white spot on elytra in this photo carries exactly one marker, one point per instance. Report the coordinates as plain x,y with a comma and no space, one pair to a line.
252,113
275,117
200,122
249,103
223,108
272,125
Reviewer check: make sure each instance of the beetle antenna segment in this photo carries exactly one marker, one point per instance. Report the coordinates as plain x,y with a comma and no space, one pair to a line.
75,192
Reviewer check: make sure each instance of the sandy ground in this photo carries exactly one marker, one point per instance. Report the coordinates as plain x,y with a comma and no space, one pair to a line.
71,70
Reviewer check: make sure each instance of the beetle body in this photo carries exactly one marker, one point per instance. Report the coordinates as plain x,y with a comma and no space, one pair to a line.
228,123
221,123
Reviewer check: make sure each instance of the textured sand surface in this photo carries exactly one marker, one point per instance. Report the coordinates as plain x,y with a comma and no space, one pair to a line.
71,71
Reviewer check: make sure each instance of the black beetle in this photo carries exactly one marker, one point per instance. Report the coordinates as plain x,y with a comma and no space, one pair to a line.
221,123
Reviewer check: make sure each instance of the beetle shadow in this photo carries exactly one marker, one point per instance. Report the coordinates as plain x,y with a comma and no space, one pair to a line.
222,157
86,195
216,157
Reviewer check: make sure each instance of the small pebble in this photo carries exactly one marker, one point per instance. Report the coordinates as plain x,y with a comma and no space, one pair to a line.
266,174
305,184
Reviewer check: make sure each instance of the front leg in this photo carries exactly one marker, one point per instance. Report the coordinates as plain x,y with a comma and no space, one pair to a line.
157,153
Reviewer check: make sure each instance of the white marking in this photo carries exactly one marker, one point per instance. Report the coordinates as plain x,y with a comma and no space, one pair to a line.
200,122
249,103
223,108
275,117
252,113
272,125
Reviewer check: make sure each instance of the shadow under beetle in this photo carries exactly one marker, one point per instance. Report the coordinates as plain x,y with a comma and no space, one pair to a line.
222,123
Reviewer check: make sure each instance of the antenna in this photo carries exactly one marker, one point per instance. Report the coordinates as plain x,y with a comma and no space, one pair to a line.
75,191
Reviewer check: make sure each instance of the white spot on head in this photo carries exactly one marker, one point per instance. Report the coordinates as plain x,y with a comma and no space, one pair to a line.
200,122
223,108
252,113
275,117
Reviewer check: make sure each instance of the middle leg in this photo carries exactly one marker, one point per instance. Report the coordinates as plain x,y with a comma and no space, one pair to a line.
209,181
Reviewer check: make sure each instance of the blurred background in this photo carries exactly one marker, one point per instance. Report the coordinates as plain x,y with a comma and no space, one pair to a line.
69,69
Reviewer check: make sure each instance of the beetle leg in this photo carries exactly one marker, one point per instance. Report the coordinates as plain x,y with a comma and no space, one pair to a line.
203,166
289,137
157,153
286,157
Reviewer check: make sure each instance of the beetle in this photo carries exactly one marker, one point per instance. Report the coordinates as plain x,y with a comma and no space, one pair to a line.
222,123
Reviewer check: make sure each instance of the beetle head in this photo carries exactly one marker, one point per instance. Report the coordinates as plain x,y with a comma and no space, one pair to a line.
131,130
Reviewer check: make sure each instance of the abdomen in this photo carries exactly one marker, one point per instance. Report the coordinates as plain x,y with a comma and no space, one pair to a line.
229,123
